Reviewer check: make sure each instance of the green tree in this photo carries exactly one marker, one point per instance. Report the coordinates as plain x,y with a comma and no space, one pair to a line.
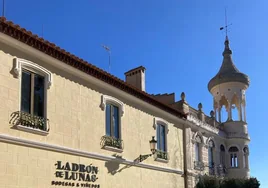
251,183
214,182
208,182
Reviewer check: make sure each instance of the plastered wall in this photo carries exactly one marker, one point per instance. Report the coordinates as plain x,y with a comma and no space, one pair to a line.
77,121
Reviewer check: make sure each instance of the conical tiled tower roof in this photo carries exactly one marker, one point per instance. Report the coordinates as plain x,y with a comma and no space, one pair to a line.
228,72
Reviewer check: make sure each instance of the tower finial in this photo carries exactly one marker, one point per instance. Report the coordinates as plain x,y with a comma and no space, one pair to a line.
226,34
226,25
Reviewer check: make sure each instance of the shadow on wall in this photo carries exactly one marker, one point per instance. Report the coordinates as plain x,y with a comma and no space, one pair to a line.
113,165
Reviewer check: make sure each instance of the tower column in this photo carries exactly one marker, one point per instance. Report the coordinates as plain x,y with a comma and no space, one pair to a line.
219,112
240,111
244,110
229,110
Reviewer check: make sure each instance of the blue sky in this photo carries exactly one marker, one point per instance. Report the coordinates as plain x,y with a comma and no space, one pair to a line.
178,41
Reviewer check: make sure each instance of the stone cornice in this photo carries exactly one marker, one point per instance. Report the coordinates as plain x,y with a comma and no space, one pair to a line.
202,124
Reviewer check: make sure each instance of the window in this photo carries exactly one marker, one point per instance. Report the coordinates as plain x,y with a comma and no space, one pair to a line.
161,138
197,152
222,155
32,93
198,148
233,156
161,127
210,153
198,145
112,121
114,110
210,157
34,82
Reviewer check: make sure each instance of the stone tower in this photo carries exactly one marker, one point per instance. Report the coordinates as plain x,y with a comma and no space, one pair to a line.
228,88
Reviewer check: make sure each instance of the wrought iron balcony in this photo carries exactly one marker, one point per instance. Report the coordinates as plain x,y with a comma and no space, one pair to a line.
111,142
28,120
199,165
161,154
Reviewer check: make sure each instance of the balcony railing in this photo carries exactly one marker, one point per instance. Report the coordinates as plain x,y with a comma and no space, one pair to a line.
161,154
28,120
111,142
199,165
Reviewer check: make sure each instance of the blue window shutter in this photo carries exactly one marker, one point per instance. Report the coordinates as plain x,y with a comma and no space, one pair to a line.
108,119
116,121
163,145
158,137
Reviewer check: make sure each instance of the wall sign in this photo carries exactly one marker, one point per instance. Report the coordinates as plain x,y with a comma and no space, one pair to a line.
75,175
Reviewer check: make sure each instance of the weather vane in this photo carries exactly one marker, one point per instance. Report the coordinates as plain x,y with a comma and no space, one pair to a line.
226,25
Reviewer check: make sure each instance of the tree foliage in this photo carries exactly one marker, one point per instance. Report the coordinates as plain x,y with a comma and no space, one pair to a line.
214,182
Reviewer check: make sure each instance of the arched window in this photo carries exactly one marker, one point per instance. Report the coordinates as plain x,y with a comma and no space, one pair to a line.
222,155
211,147
245,157
198,148
233,156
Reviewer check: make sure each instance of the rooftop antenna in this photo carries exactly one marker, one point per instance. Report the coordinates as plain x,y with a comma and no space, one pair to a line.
226,25
3,11
109,53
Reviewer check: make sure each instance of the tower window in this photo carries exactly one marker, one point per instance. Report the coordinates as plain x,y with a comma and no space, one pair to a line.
233,156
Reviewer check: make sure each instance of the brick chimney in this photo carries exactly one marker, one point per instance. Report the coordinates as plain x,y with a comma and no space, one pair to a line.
136,77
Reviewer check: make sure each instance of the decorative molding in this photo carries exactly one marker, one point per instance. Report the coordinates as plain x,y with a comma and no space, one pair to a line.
161,121
198,134
22,63
202,124
211,138
238,135
62,149
107,98
233,145
31,130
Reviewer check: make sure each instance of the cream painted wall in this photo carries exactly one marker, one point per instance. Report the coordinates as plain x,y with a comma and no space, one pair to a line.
23,167
78,122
